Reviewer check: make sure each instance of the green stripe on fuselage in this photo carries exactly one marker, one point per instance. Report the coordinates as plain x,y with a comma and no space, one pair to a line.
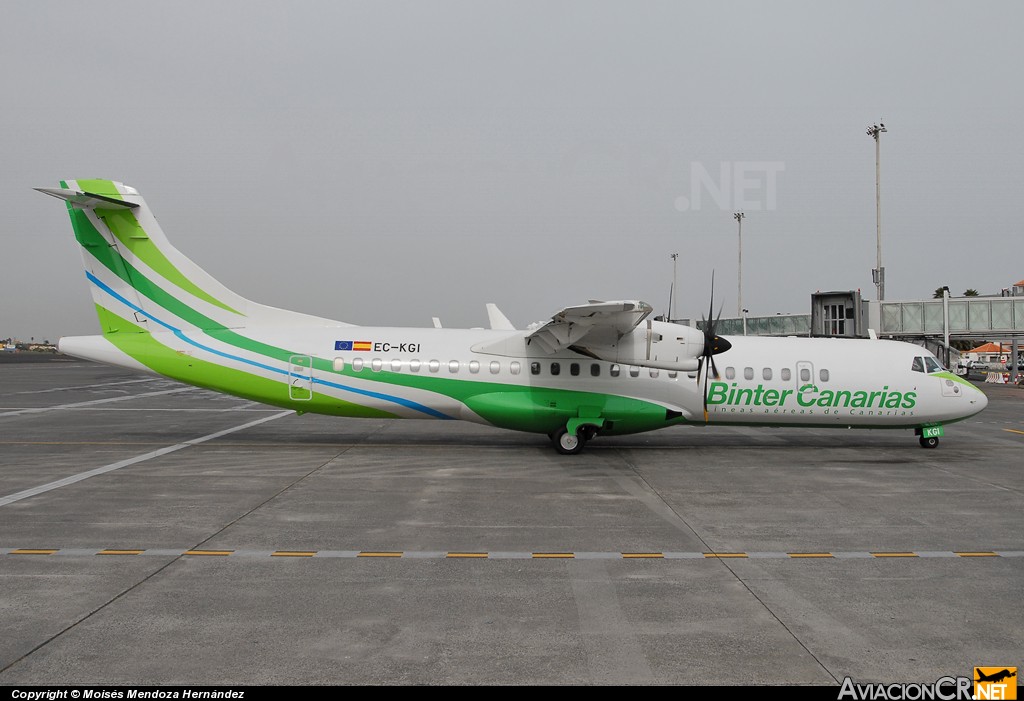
956,378
140,344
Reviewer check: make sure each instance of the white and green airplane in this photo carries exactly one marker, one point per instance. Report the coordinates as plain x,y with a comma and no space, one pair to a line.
601,368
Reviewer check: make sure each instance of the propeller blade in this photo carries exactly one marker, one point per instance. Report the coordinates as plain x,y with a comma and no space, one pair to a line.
712,345
706,393
711,303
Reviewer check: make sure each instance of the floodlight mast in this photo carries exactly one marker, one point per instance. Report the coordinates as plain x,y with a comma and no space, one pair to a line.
879,272
739,216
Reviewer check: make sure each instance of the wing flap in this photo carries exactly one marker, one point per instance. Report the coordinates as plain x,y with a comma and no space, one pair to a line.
600,321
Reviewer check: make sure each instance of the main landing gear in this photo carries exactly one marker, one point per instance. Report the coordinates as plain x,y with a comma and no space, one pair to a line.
571,442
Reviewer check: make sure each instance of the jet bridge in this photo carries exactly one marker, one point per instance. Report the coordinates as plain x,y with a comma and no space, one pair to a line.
983,318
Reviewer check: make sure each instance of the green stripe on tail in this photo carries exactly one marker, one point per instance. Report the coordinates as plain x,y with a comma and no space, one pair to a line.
126,228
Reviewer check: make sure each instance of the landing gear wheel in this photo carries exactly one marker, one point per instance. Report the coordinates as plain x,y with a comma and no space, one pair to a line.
931,442
567,443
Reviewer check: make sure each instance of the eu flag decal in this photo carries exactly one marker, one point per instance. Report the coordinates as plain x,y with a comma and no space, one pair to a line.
352,345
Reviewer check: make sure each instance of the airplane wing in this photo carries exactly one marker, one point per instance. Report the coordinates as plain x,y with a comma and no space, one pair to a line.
598,322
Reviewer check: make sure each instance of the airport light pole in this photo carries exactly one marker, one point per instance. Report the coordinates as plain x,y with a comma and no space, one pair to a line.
738,216
672,301
879,272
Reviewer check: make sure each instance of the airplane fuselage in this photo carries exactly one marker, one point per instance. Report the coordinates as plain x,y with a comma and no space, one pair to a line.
445,374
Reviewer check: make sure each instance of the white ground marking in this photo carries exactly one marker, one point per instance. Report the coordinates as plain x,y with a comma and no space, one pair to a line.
18,496
92,402
102,384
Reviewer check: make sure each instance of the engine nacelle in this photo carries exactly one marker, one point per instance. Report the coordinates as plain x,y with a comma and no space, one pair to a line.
655,344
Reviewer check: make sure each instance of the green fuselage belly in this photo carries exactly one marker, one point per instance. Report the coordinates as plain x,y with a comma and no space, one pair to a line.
540,410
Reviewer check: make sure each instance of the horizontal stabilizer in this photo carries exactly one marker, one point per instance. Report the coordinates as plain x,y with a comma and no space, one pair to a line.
87,200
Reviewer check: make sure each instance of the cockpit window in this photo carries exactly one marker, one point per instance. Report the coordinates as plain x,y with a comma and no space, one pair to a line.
917,365
932,364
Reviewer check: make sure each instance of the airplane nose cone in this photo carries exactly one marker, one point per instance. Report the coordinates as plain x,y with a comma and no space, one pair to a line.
981,401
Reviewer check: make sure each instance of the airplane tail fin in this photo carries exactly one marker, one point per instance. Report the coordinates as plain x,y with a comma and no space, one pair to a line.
135,272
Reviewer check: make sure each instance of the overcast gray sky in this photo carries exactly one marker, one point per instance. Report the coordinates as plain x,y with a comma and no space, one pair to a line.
382,163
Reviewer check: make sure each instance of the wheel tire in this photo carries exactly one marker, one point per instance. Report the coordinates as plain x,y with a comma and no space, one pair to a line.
931,442
567,443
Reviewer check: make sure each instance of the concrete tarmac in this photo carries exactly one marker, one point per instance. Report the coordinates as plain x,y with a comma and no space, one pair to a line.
152,533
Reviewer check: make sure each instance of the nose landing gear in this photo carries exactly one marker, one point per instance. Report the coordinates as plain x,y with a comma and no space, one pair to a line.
929,436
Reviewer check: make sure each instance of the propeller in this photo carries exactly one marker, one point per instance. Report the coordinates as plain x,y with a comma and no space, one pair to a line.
713,345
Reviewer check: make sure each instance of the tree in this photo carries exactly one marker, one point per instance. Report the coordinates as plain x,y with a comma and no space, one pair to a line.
971,292
939,291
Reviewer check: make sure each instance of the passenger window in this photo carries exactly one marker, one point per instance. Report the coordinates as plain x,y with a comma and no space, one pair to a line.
495,367
655,372
534,368
474,366
555,368
453,366
748,373
414,365
377,364
574,369
766,373
339,364
634,371
513,367
434,365
614,370
730,373
786,375
357,364
823,374
917,365
396,366
805,375
595,370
